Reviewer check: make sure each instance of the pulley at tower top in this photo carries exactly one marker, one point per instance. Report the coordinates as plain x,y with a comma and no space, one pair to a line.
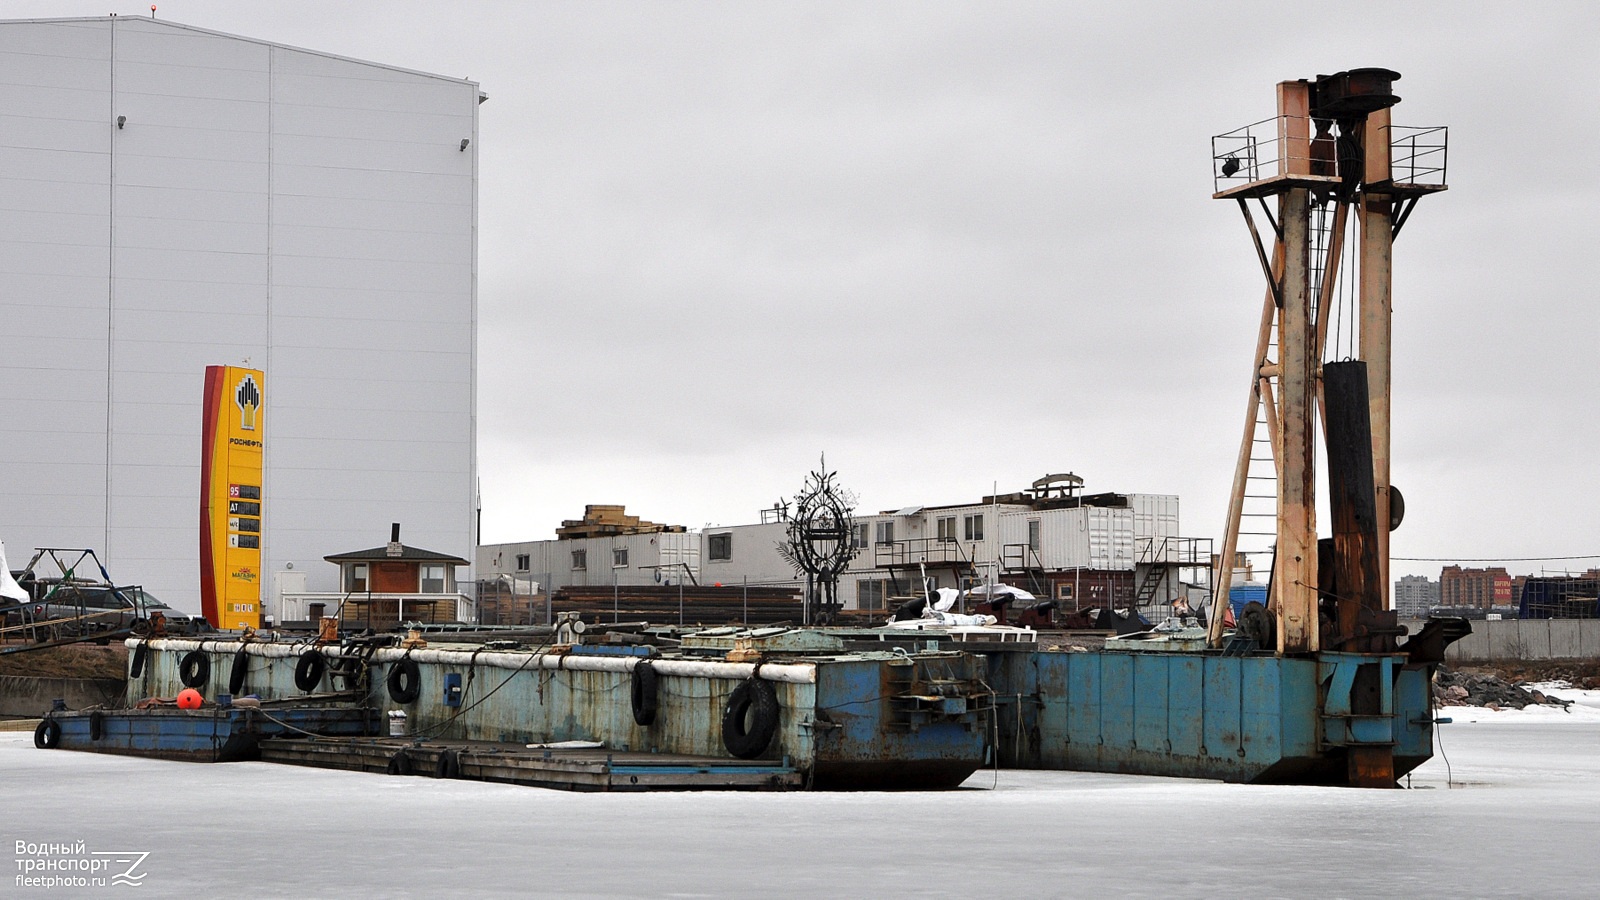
1319,140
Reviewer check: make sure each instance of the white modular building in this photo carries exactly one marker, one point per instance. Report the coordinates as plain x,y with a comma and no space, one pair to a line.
173,198
1080,551
1045,544
658,557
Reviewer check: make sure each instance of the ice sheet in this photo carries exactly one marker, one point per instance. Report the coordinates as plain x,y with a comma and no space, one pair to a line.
1522,823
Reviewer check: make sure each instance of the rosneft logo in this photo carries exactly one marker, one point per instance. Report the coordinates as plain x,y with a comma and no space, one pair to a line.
247,396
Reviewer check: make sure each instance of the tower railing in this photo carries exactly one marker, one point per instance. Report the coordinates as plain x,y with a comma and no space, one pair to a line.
1419,154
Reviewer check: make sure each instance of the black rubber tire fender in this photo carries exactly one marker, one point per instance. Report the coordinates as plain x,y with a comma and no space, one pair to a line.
644,688
308,670
136,665
405,681
195,669
399,763
97,725
448,765
241,669
48,735
750,719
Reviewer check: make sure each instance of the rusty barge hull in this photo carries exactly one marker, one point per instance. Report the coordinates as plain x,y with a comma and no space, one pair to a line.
1253,718
902,717
589,771
214,734
881,719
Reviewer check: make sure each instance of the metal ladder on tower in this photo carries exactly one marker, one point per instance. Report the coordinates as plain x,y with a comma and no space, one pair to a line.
1259,513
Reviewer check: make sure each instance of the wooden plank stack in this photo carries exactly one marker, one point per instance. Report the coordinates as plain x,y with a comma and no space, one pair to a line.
603,520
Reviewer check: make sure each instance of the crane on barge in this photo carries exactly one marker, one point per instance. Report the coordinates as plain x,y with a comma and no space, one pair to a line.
1330,155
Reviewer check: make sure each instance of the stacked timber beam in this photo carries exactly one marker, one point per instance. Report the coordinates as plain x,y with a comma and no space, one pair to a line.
602,520
701,604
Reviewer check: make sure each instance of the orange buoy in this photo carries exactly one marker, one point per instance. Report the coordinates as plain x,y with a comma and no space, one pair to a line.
189,698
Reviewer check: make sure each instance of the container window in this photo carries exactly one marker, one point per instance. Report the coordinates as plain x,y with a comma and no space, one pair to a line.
720,546
870,594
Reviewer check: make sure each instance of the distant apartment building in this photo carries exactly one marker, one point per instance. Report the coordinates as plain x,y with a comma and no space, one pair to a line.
1560,596
1475,588
1414,595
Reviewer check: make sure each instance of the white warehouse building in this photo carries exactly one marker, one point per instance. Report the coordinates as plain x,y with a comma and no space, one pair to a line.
173,198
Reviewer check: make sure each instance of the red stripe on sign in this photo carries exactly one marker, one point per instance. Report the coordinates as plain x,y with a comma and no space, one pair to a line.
208,442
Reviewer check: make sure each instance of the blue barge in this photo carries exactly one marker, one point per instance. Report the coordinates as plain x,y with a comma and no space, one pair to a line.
881,718
844,709
212,734
1252,718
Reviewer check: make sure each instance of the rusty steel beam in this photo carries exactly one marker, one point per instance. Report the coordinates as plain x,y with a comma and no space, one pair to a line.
1376,261
1241,472
1269,269
1295,573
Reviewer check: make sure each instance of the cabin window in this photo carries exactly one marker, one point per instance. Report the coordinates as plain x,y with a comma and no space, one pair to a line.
522,562
433,579
720,546
974,527
358,577
580,559
619,557
885,533
1033,535
947,529
858,535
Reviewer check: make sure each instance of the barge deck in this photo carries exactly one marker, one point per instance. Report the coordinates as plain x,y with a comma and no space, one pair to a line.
563,768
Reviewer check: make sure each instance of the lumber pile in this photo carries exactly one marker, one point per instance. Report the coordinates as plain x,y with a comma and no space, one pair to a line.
602,520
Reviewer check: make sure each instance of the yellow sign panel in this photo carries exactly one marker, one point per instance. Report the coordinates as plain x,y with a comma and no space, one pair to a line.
230,497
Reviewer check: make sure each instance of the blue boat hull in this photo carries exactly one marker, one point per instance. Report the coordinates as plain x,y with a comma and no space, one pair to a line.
1205,715
200,735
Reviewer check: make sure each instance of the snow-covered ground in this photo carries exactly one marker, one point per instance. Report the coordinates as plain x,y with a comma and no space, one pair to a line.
1522,821
1585,708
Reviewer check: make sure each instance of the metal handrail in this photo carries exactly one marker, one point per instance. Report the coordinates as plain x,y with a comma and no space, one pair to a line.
1421,152
933,551
1255,152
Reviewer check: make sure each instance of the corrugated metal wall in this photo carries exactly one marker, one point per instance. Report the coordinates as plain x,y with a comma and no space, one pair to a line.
305,214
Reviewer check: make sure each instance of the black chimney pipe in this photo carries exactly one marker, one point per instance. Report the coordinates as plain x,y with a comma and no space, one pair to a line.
394,532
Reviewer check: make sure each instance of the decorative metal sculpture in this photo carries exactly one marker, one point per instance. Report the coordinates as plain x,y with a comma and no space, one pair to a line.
819,542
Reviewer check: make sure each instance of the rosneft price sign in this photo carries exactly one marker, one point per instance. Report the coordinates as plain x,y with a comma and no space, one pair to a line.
230,496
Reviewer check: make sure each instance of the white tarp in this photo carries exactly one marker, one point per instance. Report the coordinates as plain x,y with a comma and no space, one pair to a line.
984,591
9,589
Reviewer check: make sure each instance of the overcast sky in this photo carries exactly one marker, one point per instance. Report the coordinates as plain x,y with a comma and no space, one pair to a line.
959,245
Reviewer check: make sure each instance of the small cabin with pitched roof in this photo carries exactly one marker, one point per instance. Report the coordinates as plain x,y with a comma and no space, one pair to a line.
385,586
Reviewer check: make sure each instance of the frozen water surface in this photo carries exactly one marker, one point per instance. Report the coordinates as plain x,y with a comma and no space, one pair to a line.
1523,823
